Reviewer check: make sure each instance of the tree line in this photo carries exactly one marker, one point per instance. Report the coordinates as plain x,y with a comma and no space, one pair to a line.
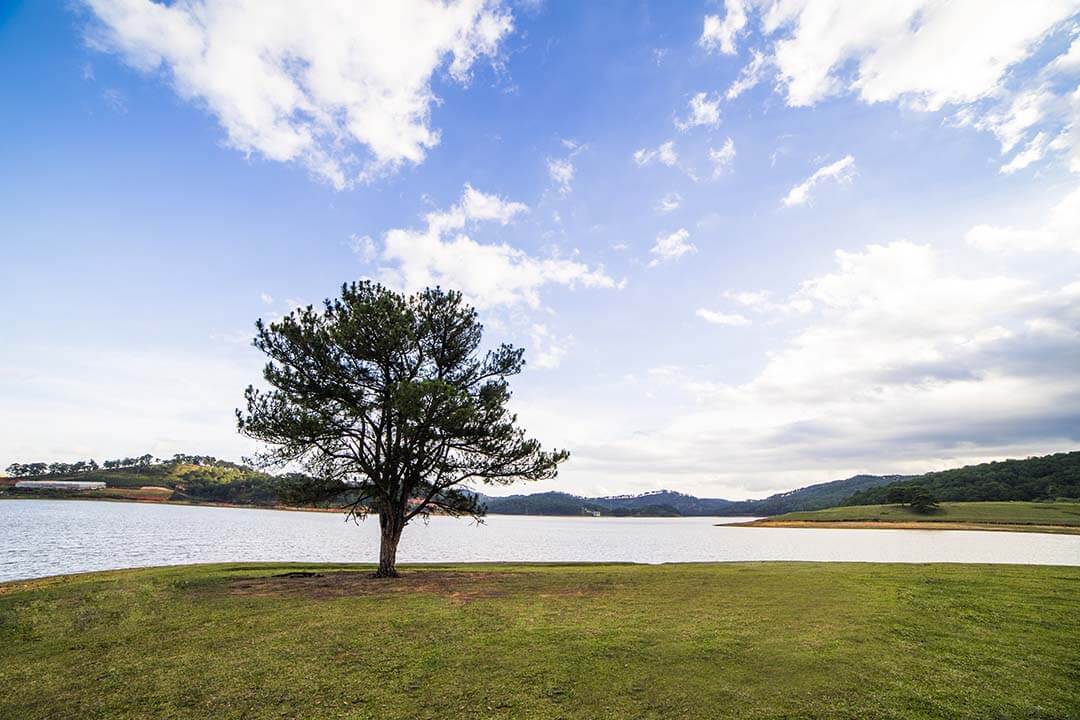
37,469
1051,477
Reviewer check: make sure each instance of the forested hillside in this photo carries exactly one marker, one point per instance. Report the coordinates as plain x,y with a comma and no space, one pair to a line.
1036,478
668,503
189,477
203,478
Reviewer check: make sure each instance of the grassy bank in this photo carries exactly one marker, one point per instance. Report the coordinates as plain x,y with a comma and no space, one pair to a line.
793,640
1062,517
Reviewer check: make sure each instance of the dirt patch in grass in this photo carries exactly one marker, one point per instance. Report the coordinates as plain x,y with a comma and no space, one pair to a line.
460,587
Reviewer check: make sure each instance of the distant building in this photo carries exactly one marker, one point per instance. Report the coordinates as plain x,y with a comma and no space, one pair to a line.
58,485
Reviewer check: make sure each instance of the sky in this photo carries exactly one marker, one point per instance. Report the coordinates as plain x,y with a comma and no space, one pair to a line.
747,245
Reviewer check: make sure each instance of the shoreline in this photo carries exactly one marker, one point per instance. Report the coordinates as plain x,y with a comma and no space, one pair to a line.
291,508
910,525
750,523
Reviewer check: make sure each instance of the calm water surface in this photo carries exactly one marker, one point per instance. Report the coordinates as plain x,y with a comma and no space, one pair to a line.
50,537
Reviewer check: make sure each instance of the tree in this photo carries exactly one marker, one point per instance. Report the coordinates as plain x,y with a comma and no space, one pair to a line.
917,497
387,402
921,500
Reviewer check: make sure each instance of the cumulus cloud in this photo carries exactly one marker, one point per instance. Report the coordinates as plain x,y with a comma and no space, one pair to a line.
489,275
714,317
842,171
720,34
704,112
905,50
909,53
671,246
1061,231
721,159
332,86
665,154
938,366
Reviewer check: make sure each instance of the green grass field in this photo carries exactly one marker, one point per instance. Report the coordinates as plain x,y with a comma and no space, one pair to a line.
1065,514
753,640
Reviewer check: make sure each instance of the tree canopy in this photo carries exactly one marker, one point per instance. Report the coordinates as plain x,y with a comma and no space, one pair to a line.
388,403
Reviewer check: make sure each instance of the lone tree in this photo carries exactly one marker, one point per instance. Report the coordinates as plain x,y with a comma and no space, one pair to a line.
387,402
917,497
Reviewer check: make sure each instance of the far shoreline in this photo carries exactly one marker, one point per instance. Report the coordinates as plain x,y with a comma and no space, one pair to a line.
908,525
290,508
750,522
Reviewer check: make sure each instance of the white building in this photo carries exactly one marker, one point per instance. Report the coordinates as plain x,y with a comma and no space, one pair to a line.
58,485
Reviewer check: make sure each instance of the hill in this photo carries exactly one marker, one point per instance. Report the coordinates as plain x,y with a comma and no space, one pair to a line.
668,502
1035,478
1015,515
197,478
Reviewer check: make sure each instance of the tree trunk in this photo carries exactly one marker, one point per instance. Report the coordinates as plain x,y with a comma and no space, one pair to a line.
390,533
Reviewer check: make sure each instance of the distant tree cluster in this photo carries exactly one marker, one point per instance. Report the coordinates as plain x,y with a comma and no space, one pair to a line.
1037,478
56,468
141,462
917,497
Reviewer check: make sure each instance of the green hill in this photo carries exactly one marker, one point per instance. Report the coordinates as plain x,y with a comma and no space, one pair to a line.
196,478
1060,516
670,503
1036,478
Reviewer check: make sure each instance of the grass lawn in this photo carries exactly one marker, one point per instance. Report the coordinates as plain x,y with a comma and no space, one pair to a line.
1042,517
745,640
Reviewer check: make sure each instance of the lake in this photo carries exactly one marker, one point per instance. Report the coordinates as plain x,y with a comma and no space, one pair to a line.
51,537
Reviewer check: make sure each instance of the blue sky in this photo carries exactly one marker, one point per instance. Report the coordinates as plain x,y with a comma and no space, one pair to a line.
864,258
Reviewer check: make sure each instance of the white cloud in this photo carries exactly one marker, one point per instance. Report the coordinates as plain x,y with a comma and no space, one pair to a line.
928,55
363,247
547,350
842,171
671,246
704,112
761,301
670,202
78,401
905,50
1061,231
266,298
310,84
722,158
665,154
488,274
938,366
749,76
1030,154
561,170
720,34
719,318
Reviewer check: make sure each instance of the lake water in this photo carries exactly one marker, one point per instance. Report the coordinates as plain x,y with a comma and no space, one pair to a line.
50,537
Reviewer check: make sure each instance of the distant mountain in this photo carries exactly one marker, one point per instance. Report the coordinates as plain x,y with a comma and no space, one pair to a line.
1035,478
669,503
813,497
